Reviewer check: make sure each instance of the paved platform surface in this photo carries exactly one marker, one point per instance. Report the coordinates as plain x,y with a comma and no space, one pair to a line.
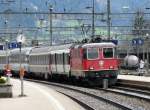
38,97
135,78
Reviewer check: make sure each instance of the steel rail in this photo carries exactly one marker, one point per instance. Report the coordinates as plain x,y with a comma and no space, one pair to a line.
140,91
127,92
87,107
134,84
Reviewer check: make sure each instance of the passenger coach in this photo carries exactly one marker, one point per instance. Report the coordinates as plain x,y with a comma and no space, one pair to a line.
15,57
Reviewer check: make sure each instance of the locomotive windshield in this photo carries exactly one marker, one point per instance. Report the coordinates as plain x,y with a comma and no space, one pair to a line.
92,53
108,52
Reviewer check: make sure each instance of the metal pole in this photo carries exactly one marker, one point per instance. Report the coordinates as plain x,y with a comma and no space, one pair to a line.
93,19
143,52
147,61
7,64
51,25
6,52
108,19
6,44
21,77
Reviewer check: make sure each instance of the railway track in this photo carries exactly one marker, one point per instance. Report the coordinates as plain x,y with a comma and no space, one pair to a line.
139,94
86,93
134,84
86,106
135,89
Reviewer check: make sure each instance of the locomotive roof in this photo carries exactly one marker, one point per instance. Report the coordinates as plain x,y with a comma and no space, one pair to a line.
105,44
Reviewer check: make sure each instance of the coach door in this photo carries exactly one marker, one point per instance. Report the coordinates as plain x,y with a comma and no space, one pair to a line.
50,63
66,62
53,63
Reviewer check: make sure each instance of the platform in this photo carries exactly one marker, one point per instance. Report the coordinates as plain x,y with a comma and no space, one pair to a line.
37,97
135,78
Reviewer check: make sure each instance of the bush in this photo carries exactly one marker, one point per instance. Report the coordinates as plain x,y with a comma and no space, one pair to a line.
2,80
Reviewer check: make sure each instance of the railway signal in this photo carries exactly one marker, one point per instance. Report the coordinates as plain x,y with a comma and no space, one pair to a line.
8,72
22,72
13,45
137,41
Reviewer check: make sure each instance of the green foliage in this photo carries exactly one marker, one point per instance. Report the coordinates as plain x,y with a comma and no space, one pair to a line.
2,80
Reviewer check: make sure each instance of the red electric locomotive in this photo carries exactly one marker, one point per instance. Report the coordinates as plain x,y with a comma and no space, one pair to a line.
94,61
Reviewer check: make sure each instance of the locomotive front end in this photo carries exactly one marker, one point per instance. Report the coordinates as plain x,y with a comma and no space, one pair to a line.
100,62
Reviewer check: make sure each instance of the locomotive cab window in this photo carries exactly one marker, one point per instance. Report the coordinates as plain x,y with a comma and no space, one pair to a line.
92,53
108,52
84,53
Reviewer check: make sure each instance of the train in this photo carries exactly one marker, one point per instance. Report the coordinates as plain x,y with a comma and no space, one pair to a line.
130,62
89,63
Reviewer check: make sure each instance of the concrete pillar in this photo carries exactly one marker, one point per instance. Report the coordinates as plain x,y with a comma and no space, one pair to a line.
105,83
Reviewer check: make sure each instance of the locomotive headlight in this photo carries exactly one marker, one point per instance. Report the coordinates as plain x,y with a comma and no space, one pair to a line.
91,68
101,63
111,67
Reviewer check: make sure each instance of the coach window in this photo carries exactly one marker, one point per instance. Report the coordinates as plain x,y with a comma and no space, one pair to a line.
34,60
108,52
59,59
115,52
66,58
92,53
1,60
48,59
41,61
45,60
37,59
52,58
31,60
